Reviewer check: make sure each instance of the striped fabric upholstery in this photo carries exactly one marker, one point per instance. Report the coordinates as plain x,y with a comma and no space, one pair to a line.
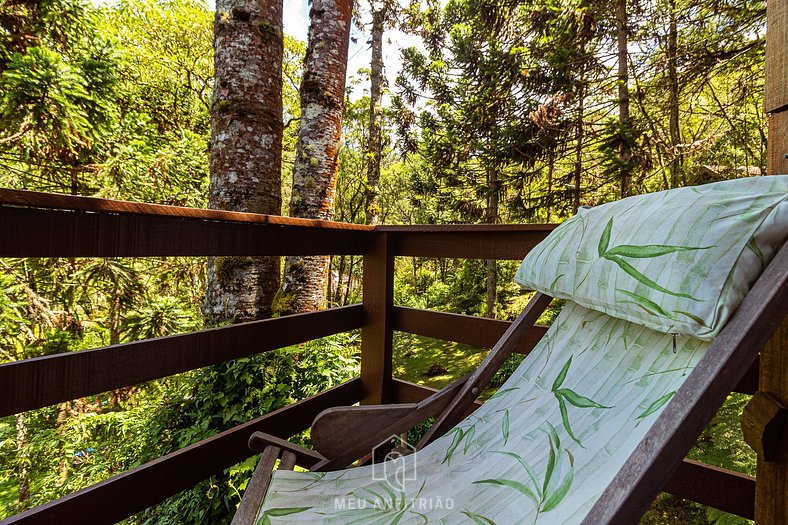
540,451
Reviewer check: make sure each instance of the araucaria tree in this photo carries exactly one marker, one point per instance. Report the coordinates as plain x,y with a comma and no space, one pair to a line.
315,170
246,149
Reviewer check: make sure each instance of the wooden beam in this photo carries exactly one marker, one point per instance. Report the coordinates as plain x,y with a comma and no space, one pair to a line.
659,453
771,494
459,328
58,201
36,232
42,381
376,335
776,87
133,491
777,150
722,489
408,392
468,241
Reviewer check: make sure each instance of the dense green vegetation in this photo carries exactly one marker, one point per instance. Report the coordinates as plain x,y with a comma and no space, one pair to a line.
505,114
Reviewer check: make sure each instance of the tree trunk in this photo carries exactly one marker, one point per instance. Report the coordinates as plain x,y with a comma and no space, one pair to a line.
580,135
375,144
492,266
22,462
550,169
673,96
246,149
623,91
315,170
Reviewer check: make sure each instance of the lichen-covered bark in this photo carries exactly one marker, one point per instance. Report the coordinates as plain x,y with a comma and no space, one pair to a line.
375,146
246,149
314,174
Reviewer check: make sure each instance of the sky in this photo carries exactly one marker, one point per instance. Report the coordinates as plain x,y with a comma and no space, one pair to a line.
296,24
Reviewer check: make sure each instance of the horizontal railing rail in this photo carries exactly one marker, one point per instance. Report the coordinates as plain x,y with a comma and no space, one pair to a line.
43,381
47,225
466,241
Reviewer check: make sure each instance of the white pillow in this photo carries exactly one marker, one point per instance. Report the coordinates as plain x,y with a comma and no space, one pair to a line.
678,261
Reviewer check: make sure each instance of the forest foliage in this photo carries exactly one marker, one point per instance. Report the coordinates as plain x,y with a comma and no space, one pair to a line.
507,112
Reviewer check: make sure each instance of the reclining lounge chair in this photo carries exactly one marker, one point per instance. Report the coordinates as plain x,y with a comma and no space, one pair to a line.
669,298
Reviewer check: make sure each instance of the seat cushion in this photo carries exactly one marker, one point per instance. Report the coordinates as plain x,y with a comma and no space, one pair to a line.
541,450
678,261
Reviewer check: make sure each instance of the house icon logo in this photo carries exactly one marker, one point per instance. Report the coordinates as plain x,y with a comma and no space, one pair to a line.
390,462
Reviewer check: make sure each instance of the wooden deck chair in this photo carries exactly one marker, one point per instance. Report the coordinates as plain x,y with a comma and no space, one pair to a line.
664,315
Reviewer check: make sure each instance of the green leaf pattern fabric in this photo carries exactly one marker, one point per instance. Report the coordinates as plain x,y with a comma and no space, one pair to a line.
678,261
540,451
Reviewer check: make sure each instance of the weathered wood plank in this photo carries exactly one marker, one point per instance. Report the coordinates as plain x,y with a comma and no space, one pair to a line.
33,383
772,487
58,201
257,487
777,150
133,491
35,232
716,487
776,86
376,336
499,241
659,454
459,328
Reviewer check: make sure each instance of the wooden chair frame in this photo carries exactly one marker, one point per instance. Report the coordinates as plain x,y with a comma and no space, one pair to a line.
645,472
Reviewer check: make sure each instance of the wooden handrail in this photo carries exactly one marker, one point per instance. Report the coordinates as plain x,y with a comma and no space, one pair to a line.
43,381
58,201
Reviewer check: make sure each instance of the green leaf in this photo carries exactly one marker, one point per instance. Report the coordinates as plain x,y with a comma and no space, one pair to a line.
650,250
505,427
561,375
628,268
604,240
286,511
578,400
693,317
469,438
565,418
521,461
263,520
656,405
647,304
516,485
478,519
458,433
562,489
550,462
753,246
552,285
499,393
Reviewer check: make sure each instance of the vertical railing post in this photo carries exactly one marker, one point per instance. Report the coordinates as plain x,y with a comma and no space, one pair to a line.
771,503
376,335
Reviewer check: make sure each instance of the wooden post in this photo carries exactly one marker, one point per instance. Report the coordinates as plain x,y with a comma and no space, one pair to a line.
771,491
376,335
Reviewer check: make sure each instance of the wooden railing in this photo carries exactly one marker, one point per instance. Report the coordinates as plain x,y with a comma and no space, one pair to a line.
45,225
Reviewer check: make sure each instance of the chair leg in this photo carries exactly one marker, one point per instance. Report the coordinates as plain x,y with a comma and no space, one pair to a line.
258,486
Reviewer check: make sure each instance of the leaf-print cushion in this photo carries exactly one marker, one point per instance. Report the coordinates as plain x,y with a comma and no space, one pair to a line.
539,451
678,261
